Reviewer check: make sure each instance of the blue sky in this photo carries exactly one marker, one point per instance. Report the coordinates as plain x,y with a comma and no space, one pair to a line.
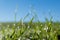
42,9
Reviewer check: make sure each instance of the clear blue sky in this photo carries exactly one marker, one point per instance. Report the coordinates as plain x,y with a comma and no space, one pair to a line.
41,7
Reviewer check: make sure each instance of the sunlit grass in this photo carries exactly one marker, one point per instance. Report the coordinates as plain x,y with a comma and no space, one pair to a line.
31,30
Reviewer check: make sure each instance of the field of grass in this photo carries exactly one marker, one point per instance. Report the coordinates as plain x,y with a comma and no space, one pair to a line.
48,30
32,30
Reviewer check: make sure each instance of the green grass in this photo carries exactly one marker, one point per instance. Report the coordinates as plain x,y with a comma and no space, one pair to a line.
31,30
